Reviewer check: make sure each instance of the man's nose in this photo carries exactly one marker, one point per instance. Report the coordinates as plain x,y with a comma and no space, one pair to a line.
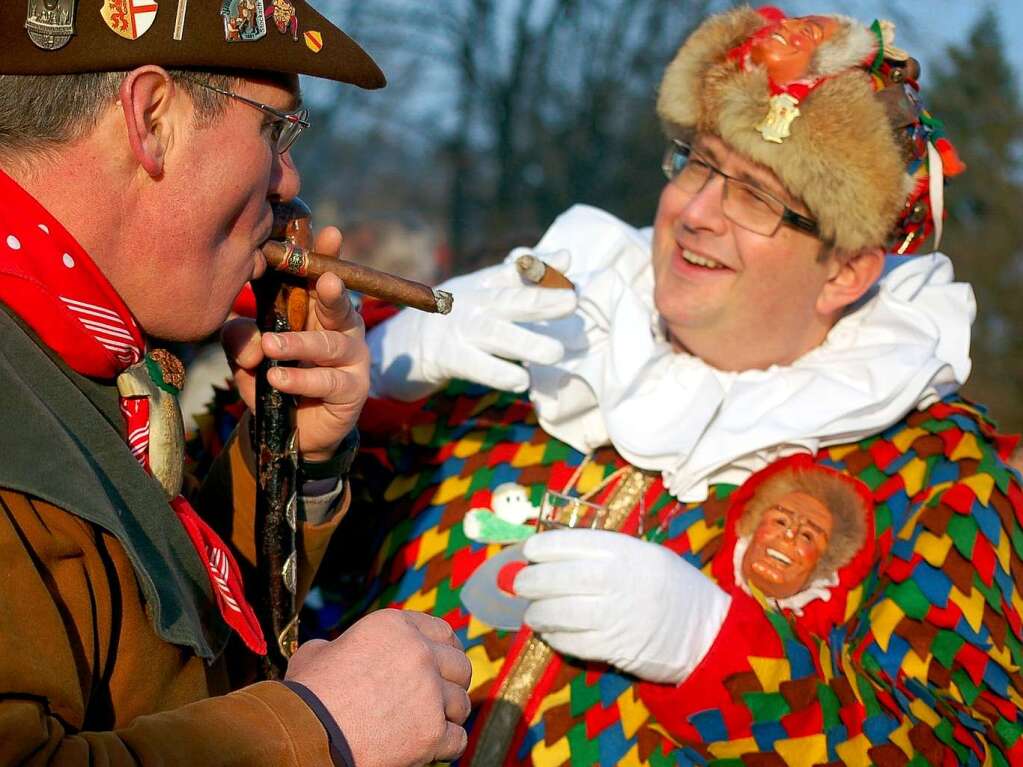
705,208
285,182
801,42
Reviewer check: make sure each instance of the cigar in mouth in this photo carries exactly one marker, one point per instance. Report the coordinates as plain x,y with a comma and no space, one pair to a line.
288,258
540,273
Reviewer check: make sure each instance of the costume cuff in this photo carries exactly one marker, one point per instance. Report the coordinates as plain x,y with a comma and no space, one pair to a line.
321,482
321,507
745,633
340,751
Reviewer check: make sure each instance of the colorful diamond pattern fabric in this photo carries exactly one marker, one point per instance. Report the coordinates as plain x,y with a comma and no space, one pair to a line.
924,670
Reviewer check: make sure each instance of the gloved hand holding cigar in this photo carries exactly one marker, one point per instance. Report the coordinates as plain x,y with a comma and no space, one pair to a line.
415,354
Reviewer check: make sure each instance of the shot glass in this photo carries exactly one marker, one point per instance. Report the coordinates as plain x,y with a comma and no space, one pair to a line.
559,511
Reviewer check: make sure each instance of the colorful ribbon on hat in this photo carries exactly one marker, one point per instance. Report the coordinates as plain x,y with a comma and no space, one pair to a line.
934,157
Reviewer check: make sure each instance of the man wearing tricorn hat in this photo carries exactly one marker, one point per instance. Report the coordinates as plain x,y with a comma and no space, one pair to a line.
140,150
759,317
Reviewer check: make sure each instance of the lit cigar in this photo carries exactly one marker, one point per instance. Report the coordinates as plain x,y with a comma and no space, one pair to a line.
285,257
536,271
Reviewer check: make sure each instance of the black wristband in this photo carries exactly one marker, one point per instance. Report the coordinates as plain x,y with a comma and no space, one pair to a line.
334,467
340,751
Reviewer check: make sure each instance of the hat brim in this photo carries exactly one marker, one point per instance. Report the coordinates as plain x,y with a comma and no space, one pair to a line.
94,47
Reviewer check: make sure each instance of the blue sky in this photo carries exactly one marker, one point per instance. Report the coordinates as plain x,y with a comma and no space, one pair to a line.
931,25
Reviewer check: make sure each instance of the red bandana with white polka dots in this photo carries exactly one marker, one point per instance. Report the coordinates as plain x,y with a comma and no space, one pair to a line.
53,285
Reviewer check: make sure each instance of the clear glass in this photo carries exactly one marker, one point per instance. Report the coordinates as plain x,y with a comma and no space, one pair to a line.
744,205
559,511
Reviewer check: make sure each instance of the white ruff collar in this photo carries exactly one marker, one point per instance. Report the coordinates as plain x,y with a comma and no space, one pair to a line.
903,346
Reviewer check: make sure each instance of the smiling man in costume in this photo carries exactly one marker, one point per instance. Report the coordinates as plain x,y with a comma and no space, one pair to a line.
759,317
137,177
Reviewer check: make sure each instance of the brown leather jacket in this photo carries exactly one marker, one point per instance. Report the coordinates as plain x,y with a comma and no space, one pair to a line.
86,678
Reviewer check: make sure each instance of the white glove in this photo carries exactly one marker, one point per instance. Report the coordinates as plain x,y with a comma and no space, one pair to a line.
605,596
415,353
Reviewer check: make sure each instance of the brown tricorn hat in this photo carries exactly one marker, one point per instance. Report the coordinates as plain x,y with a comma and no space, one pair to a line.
46,37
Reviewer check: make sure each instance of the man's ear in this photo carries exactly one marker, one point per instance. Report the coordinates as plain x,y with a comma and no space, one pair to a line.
850,275
146,97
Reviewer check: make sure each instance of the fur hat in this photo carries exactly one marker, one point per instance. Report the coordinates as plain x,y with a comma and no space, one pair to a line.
828,137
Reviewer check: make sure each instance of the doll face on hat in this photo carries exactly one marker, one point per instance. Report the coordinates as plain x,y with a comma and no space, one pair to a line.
792,536
785,49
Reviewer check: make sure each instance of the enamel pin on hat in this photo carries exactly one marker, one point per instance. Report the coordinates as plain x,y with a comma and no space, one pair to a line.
244,20
285,17
129,18
313,41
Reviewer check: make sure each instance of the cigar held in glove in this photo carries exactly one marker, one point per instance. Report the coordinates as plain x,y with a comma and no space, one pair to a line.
539,273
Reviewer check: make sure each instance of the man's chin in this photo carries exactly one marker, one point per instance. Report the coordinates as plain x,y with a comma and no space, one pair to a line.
209,327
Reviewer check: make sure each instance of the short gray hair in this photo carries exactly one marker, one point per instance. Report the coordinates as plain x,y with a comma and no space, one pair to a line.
39,112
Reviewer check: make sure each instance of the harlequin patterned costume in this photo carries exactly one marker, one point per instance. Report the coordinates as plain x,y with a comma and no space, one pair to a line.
923,668
922,664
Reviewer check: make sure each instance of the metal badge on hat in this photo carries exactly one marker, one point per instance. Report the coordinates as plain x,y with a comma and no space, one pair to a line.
244,20
129,18
179,19
50,23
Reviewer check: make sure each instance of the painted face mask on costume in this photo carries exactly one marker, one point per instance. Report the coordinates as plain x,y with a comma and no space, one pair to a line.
788,543
785,51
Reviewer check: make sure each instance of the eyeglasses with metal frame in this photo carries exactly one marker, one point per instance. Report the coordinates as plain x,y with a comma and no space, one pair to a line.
286,126
743,204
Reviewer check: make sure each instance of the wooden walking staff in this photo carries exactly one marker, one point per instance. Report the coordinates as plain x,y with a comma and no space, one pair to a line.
281,306
282,300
